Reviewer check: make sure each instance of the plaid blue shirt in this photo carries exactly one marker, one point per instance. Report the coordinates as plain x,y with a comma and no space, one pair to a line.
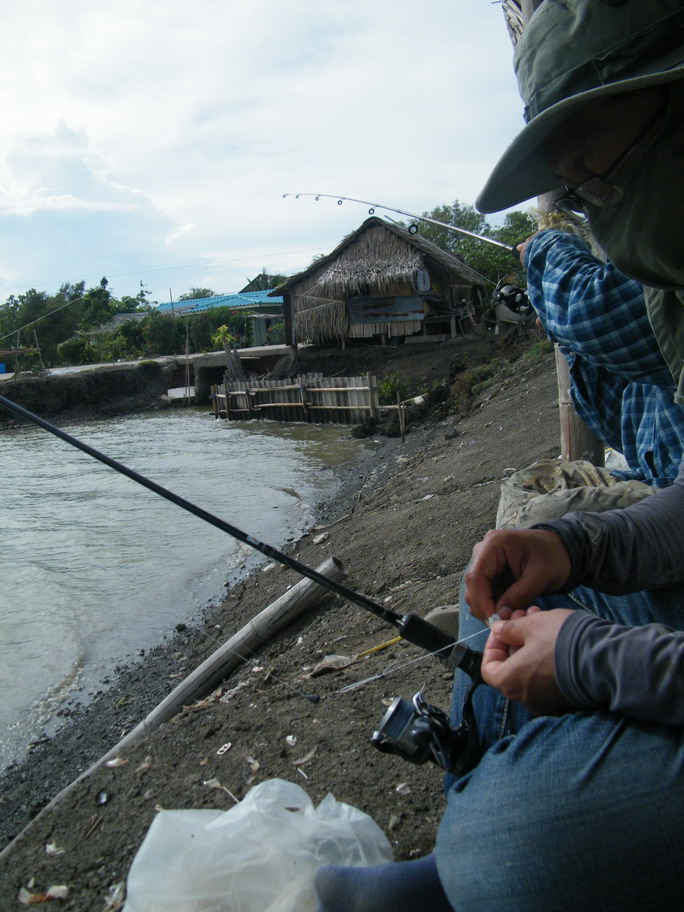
621,386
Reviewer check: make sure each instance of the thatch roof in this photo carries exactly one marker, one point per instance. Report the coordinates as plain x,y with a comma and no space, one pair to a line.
378,254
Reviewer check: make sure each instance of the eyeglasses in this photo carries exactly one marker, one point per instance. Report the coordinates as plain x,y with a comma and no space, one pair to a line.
599,190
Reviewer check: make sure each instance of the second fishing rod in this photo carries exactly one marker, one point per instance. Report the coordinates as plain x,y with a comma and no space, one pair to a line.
413,215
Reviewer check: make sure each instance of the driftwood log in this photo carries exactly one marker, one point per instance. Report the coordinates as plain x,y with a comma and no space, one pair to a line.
238,649
213,670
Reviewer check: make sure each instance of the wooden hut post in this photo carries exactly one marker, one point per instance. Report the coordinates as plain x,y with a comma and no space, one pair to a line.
577,441
373,398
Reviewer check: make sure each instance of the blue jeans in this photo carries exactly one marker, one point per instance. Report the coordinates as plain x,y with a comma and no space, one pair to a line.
583,811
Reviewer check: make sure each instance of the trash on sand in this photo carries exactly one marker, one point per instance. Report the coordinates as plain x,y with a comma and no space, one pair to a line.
205,703
117,761
403,788
224,748
115,897
291,740
145,765
60,891
261,854
53,849
233,690
367,652
254,764
305,758
215,784
330,663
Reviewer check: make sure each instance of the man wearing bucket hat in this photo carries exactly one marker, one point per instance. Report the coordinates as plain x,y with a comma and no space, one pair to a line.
577,800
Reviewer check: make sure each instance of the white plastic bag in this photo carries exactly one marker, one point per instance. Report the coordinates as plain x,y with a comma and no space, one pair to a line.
260,856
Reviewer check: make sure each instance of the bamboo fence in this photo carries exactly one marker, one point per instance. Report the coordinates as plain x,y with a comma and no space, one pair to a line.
309,398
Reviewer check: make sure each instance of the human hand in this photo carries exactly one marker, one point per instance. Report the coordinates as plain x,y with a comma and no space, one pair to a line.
518,659
522,247
512,567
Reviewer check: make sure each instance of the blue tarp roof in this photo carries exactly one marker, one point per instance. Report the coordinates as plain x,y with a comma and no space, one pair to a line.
242,299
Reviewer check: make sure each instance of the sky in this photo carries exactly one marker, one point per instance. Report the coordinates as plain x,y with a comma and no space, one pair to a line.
152,140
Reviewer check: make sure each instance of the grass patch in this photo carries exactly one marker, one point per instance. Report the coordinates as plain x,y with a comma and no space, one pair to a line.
539,351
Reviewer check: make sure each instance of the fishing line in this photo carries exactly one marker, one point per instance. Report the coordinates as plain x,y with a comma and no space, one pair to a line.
412,628
395,668
253,657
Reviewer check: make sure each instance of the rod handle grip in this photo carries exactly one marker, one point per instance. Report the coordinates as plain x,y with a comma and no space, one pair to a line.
422,633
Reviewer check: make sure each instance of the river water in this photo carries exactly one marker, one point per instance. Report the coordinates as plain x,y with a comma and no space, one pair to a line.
96,568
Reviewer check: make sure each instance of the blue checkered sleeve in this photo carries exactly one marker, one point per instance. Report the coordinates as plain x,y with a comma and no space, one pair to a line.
621,386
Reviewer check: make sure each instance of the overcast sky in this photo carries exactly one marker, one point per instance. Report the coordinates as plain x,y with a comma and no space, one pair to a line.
152,140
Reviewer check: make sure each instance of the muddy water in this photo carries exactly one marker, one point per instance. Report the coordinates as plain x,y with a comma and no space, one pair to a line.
94,568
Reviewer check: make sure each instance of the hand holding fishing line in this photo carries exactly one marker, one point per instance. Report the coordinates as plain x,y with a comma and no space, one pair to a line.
518,659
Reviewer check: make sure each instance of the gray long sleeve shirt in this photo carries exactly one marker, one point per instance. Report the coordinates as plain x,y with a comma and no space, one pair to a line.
638,671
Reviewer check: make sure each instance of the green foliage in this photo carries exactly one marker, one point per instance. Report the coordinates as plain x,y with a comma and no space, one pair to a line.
469,383
77,350
162,334
222,337
65,323
276,333
539,351
491,262
389,386
197,293
263,282
150,369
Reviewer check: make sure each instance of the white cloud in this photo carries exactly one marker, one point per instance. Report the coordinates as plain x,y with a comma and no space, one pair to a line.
212,111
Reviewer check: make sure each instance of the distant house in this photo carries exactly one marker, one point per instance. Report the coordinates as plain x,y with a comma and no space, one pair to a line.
265,309
118,320
381,282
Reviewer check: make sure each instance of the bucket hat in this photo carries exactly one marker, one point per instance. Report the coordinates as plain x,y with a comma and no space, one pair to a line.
571,53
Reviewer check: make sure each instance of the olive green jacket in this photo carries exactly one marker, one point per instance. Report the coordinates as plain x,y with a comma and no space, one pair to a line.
666,312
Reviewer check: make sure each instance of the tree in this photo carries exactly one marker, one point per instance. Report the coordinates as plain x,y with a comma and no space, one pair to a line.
223,336
489,261
195,293
263,282
162,335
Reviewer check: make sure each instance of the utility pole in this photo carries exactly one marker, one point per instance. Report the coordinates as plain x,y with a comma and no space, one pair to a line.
40,354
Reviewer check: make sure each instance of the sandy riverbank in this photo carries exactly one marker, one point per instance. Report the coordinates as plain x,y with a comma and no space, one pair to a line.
404,523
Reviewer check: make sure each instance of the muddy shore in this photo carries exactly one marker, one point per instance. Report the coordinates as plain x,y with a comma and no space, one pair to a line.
403,522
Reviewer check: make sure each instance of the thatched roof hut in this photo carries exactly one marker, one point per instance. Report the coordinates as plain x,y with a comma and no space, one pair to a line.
381,280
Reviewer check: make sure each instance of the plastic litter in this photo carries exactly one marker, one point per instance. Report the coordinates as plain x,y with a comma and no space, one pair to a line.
259,856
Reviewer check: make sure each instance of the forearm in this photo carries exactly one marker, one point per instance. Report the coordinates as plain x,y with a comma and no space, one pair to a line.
640,547
637,671
591,309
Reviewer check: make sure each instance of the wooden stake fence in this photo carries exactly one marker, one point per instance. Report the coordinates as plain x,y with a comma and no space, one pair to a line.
309,398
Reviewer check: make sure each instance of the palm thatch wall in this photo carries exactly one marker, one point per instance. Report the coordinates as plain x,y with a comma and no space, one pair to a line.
376,260
379,259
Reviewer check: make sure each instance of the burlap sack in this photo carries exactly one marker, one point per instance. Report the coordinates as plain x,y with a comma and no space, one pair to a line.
550,488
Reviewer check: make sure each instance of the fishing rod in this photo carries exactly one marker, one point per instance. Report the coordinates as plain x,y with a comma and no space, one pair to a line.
412,228
412,628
